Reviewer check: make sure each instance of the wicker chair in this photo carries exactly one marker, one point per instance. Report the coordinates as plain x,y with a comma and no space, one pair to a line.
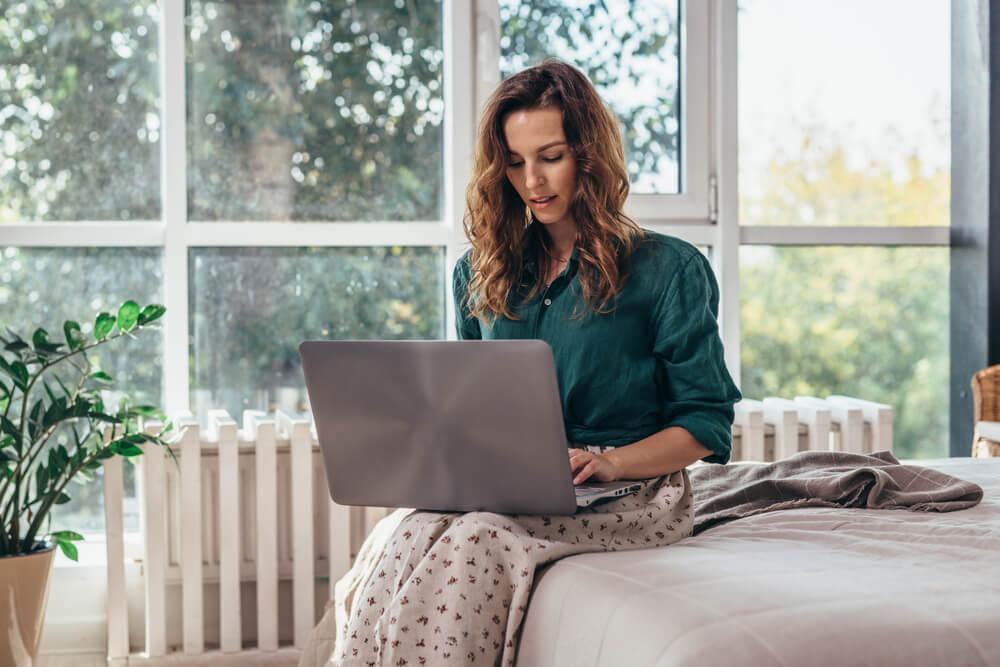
986,405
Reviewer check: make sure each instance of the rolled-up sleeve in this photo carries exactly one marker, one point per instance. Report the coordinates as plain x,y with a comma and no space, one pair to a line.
466,326
697,392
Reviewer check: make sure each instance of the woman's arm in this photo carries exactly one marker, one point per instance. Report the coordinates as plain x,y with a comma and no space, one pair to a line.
662,453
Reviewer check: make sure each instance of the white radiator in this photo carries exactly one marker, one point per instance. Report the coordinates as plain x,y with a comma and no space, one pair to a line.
235,567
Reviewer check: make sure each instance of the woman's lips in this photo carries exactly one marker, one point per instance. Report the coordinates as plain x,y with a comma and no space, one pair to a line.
543,204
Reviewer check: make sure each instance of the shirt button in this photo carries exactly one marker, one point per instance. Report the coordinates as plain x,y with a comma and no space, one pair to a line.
547,302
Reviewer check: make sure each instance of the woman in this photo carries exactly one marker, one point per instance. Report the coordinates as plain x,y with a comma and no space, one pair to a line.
631,318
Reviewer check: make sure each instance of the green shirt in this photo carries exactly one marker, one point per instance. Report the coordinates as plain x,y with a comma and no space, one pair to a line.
657,361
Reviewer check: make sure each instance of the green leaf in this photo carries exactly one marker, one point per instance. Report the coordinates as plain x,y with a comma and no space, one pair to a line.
103,325
101,376
17,371
66,535
63,499
35,419
126,449
94,414
76,438
17,346
145,410
22,372
40,337
10,428
128,315
48,390
43,347
81,407
41,479
62,456
153,311
57,462
55,412
74,337
68,549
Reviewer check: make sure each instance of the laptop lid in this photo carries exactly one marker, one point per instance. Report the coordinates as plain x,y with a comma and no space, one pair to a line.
440,425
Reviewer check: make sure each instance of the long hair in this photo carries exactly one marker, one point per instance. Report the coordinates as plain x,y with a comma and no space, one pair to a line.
497,221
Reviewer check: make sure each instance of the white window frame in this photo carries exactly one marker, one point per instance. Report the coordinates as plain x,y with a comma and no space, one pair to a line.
732,235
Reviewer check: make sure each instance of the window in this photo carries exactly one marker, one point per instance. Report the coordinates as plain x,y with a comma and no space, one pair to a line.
319,112
859,320
315,111
253,306
850,134
78,106
860,138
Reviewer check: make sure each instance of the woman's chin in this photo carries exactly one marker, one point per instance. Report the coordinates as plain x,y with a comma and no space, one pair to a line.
549,217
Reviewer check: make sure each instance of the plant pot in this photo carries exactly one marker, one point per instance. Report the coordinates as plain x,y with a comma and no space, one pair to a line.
24,590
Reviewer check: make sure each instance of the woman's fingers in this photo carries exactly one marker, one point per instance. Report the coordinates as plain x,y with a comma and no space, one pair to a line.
587,471
578,460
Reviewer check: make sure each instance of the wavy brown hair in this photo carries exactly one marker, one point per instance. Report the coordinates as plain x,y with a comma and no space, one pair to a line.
497,221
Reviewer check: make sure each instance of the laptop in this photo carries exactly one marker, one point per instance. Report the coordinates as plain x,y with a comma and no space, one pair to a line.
444,425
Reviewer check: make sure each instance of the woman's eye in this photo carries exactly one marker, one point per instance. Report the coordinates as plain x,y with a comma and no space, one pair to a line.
514,165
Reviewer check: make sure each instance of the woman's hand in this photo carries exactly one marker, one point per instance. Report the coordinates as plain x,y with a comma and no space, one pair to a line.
584,465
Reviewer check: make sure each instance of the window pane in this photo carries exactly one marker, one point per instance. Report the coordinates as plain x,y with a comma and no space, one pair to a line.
862,321
630,51
78,108
844,136
43,287
315,111
251,307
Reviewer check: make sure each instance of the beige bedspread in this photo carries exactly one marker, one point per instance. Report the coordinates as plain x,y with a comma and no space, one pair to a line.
809,586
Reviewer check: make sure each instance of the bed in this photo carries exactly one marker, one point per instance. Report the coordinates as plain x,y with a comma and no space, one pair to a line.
811,586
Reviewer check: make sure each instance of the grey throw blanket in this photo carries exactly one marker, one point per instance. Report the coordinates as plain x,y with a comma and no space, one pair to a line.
823,479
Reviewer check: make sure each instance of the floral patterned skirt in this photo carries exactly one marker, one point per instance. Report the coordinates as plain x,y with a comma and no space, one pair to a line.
432,588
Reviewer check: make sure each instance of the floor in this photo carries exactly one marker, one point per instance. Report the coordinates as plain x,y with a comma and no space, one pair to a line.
281,658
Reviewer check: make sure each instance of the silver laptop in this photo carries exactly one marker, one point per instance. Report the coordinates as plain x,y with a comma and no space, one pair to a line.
444,425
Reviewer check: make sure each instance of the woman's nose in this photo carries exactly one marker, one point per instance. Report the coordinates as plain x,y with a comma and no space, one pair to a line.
534,176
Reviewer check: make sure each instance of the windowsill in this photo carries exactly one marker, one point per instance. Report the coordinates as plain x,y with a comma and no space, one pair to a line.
93,551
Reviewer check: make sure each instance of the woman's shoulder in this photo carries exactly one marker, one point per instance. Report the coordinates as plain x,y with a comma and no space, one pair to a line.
463,267
663,253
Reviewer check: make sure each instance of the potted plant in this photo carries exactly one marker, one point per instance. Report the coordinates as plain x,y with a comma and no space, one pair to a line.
52,423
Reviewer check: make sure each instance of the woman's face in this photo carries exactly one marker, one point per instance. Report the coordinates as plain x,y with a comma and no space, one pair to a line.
540,163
